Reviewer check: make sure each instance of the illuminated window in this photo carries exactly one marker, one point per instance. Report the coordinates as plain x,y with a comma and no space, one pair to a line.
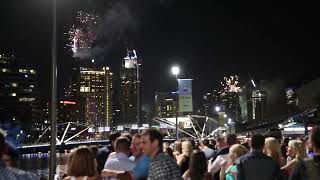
22,70
82,89
13,94
32,86
26,76
4,70
14,84
32,71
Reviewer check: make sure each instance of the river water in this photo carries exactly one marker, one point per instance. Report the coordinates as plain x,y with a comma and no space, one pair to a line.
39,163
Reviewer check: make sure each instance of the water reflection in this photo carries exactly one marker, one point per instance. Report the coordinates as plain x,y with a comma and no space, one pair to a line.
39,163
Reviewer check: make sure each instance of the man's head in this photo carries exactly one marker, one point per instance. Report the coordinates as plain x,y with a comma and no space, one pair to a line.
152,141
231,139
113,137
315,139
2,142
257,142
206,142
122,144
220,142
136,146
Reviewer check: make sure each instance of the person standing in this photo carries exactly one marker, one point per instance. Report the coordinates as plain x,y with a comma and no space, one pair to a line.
120,161
207,151
309,168
9,173
256,165
297,152
214,165
162,167
184,158
198,167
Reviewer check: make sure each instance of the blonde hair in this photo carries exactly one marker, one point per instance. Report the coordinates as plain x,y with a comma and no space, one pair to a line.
187,148
298,148
239,150
273,149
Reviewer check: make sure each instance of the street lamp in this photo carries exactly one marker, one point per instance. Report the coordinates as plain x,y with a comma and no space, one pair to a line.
175,71
217,108
225,116
229,121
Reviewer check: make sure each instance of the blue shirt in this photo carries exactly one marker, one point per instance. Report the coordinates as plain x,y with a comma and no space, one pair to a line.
140,172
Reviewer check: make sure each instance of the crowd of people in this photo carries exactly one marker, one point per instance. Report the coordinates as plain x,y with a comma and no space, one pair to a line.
147,156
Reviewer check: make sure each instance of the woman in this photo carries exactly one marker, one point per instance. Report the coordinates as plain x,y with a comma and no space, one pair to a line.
198,167
272,149
167,149
229,171
296,150
82,165
184,158
177,149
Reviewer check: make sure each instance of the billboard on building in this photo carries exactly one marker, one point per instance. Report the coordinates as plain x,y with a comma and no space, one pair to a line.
185,95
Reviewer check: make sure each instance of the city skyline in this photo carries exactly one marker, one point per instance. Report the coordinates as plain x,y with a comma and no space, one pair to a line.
213,43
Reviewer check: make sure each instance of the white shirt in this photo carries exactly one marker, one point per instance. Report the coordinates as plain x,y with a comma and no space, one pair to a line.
214,167
119,162
208,152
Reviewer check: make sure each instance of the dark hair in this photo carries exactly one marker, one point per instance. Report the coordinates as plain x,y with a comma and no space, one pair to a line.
315,137
231,139
213,142
198,165
114,136
127,135
168,151
154,135
122,144
81,162
206,142
2,141
257,141
286,140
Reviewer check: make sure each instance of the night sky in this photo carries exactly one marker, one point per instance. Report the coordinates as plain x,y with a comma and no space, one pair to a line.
209,39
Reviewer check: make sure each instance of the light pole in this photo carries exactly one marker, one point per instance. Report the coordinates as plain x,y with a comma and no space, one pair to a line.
175,71
53,93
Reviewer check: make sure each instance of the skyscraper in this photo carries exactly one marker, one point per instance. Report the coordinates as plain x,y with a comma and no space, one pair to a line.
96,87
18,92
129,76
165,105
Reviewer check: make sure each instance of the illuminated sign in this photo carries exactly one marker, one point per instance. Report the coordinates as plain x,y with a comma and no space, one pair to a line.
68,102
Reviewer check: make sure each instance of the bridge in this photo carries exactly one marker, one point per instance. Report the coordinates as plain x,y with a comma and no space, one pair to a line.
68,138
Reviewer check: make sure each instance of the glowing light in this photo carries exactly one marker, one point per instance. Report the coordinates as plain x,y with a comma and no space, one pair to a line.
175,70
253,83
68,102
217,108
231,84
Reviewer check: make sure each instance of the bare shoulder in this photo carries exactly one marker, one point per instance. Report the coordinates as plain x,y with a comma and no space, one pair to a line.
67,178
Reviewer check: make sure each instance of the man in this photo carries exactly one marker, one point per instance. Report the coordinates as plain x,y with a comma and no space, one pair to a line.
309,168
221,143
222,155
162,167
256,165
207,151
140,172
103,153
8,173
120,162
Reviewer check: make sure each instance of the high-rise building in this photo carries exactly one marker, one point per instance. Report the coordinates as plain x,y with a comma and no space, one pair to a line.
165,105
129,88
18,92
96,87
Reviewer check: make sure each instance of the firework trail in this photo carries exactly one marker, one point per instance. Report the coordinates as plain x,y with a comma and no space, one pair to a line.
82,34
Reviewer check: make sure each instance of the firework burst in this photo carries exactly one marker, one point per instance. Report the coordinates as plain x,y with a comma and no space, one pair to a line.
231,84
82,34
